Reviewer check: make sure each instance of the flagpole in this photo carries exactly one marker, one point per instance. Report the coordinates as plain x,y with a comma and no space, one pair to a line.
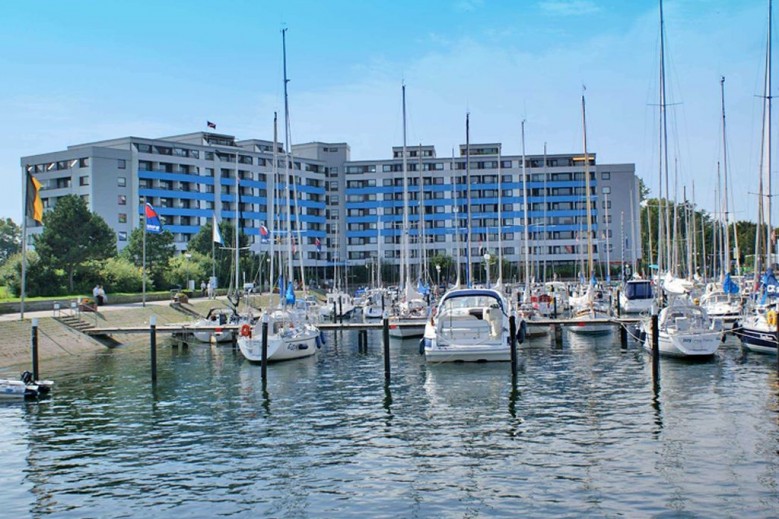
143,261
25,185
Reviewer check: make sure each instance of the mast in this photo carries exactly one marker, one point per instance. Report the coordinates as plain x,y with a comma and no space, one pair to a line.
272,205
237,228
606,232
546,238
456,224
664,228
726,231
468,252
588,203
421,206
769,228
527,220
404,252
287,148
500,222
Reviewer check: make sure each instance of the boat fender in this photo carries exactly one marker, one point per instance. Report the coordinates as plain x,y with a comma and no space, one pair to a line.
246,331
422,346
27,377
319,341
522,333
771,318
642,337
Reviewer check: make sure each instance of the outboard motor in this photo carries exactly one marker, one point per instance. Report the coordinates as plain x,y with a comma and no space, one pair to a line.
27,377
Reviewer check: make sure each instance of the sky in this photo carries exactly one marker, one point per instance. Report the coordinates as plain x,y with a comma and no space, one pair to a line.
82,71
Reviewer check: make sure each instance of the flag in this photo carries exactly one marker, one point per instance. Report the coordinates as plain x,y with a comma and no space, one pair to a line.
217,235
211,125
34,204
318,245
264,234
153,224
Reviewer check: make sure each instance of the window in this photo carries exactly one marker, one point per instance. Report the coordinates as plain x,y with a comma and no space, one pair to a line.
605,175
122,235
121,164
122,200
121,181
606,190
122,217
83,181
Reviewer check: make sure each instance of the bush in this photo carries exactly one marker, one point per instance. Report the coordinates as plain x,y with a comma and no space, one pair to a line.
118,274
41,281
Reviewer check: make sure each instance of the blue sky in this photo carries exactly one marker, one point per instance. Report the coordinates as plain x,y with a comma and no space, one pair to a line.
82,71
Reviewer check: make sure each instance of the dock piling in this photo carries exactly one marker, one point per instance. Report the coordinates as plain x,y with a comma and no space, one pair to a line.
386,337
655,348
513,343
264,354
623,335
153,348
35,373
340,311
619,308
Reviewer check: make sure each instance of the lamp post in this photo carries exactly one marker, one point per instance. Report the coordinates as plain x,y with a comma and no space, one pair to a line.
188,257
487,267
438,271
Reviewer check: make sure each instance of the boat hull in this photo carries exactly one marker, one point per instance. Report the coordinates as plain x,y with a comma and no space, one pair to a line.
281,347
757,339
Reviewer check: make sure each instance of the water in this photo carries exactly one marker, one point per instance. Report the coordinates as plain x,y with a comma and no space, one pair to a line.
584,434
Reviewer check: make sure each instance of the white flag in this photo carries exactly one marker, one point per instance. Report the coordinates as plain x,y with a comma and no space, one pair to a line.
216,234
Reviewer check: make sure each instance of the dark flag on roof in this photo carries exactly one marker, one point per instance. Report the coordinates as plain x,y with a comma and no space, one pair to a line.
211,125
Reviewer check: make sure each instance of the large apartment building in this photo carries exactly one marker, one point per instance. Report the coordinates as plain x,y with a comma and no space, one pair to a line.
355,209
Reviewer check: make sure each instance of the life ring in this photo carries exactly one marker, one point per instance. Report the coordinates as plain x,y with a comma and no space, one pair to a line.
771,318
246,330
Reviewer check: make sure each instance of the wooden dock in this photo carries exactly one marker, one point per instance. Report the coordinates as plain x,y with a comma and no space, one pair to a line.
187,328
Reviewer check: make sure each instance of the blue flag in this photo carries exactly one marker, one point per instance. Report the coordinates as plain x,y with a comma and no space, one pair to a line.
290,295
153,224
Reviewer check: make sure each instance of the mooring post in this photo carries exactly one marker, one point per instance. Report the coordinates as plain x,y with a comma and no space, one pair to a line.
619,308
623,337
655,348
35,374
554,310
776,338
385,332
557,334
340,310
264,354
335,313
513,343
153,339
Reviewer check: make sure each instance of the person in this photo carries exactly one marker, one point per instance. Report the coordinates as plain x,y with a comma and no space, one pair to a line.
210,289
203,289
96,294
101,297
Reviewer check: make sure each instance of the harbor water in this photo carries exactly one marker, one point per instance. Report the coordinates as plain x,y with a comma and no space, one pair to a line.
584,432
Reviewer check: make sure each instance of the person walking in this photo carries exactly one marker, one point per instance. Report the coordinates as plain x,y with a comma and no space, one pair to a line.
202,289
96,295
211,289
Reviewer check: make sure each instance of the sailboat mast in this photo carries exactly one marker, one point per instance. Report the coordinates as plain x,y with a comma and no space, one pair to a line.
468,251
421,207
725,178
272,205
456,224
664,228
287,146
237,223
500,221
404,252
769,228
588,203
526,223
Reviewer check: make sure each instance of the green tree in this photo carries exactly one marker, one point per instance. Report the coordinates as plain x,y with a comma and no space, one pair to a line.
160,248
72,236
118,274
191,265
40,280
10,239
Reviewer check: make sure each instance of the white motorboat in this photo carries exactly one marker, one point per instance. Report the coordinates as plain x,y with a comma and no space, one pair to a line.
289,337
636,297
339,304
470,325
684,330
24,388
209,329
376,301
409,323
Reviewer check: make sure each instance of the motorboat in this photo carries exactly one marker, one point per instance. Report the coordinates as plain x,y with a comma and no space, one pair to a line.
210,328
338,305
636,297
470,325
590,313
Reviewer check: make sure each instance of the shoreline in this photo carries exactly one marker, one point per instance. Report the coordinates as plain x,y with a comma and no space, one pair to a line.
55,339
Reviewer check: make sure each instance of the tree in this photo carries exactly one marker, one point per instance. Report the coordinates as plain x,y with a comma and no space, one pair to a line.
40,280
160,248
72,236
10,239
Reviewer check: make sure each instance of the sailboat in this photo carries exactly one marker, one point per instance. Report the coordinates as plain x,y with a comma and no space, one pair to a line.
757,329
591,309
409,319
684,329
291,335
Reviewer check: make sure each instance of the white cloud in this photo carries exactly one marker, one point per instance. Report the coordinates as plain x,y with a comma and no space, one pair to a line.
466,6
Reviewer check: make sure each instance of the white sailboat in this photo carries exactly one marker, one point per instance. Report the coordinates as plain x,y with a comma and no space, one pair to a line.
290,333
684,329
411,312
591,309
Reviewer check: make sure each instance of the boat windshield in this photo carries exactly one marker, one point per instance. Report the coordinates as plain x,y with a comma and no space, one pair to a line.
641,290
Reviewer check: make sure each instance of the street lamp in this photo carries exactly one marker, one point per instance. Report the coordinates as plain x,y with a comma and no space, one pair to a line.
438,270
487,266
